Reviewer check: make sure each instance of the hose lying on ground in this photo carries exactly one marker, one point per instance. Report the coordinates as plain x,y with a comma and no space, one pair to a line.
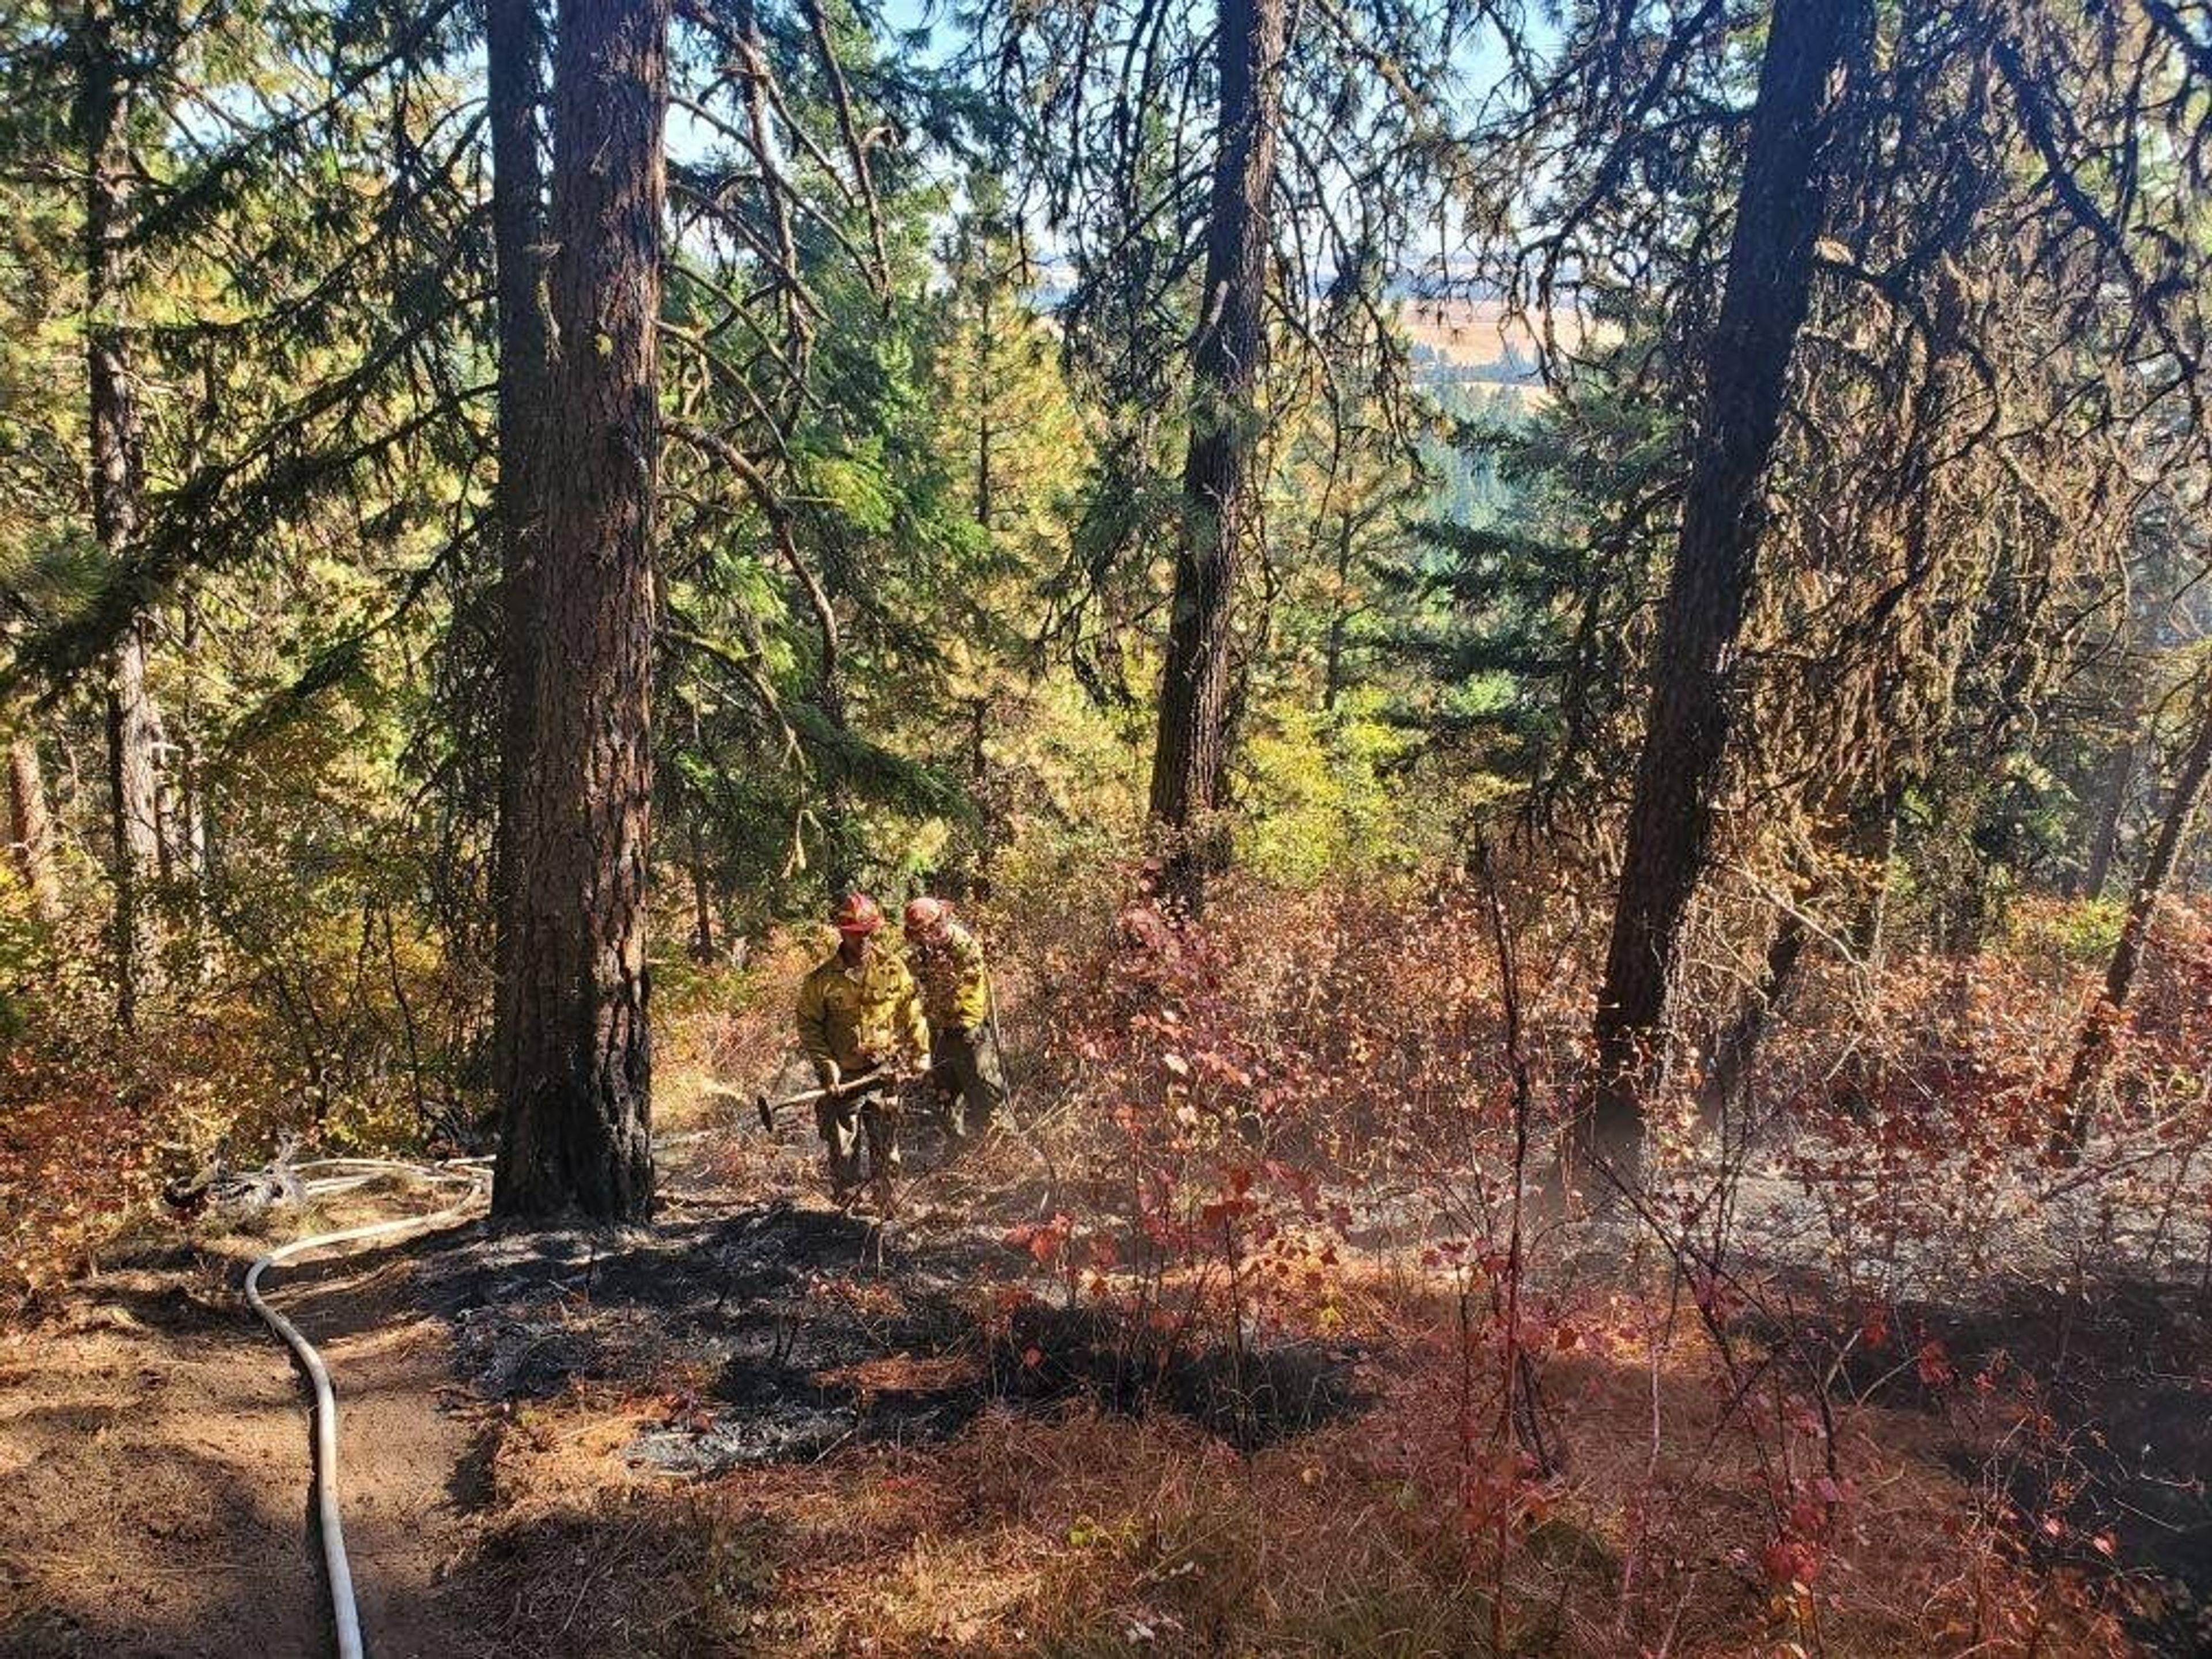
471,1173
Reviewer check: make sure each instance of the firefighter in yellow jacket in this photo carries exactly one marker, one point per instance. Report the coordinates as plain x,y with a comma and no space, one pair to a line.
956,996
861,1024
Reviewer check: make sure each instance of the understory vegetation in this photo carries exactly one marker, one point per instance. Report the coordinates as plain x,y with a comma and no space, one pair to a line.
1560,652
1238,1342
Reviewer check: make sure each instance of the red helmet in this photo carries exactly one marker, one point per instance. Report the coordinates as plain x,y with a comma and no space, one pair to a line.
857,915
926,919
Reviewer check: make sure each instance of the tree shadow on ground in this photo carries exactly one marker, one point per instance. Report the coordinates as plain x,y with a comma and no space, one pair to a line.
2111,1382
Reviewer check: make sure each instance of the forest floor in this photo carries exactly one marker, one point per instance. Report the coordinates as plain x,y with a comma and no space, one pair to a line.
768,1426
155,1467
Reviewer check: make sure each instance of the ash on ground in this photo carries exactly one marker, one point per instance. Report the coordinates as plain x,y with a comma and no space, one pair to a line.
820,1329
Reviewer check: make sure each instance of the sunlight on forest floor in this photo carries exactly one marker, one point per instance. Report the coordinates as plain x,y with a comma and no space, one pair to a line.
1154,1370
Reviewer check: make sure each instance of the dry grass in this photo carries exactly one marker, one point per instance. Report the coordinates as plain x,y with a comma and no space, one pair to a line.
1080,1533
1692,1504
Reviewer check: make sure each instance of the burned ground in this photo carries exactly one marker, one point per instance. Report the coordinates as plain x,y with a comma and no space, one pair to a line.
805,1329
653,1440
2110,1475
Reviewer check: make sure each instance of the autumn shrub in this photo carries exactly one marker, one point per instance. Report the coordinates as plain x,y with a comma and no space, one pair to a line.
320,1012
1261,1113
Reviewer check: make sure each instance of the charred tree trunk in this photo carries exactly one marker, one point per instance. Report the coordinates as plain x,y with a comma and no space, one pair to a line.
1219,489
113,425
2109,809
2078,1107
1779,211
514,53
576,1127
31,831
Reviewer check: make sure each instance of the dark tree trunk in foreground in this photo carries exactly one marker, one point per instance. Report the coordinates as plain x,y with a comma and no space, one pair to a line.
575,1133
1779,210
514,65
2079,1105
1219,489
113,425
31,831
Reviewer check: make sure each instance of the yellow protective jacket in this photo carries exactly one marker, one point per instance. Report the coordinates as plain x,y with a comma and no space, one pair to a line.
858,1016
955,986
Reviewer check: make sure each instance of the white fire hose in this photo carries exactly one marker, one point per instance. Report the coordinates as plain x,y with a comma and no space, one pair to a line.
467,1171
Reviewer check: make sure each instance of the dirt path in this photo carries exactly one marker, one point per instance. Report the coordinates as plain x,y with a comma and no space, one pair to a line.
154,1465
153,1436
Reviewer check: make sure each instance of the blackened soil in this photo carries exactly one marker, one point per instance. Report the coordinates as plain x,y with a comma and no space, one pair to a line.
2118,1450
819,1330
1251,1396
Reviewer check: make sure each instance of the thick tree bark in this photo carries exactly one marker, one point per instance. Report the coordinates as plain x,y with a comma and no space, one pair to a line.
514,52
1219,489
31,829
113,425
2109,809
1779,211
2078,1107
576,1125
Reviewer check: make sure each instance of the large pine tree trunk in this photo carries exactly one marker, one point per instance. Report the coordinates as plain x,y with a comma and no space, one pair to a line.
514,79
576,1125
1219,489
1779,210
31,829
113,425
2079,1103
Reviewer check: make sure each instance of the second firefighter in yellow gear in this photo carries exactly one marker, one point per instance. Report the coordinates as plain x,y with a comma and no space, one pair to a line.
859,1013
948,964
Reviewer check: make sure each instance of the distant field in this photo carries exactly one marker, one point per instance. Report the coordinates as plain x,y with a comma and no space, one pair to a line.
1473,340
1474,335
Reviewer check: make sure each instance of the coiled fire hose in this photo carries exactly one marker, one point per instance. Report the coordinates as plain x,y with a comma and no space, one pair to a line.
466,1171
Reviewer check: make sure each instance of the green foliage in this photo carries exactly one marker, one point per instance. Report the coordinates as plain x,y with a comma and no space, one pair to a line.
2083,934
914,637
1324,800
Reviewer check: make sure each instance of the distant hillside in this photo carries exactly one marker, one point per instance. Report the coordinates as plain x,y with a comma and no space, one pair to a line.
1472,342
